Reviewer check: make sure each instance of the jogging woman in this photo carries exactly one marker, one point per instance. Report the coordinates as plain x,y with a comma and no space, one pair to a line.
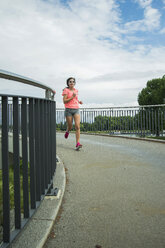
70,99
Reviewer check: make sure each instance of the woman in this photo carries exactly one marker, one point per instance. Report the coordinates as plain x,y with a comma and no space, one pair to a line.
70,99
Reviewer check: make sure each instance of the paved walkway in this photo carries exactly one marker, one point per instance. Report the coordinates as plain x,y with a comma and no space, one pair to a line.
115,194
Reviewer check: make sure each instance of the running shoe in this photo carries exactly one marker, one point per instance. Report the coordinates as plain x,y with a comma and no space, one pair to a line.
78,146
66,135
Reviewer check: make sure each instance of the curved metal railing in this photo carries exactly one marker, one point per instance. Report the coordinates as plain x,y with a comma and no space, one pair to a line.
49,92
33,138
148,120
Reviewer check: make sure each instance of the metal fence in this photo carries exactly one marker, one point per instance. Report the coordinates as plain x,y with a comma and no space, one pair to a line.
30,176
135,120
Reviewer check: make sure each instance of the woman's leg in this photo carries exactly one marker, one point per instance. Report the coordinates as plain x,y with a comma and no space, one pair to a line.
69,120
77,127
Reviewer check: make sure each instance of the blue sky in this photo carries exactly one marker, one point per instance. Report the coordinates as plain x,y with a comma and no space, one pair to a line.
112,47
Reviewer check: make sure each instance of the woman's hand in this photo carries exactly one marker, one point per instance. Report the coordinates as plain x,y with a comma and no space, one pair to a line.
80,102
74,95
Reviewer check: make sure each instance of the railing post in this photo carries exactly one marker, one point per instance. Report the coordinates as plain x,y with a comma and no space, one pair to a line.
17,197
32,154
5,170
25,157
42,128
46,144
37,150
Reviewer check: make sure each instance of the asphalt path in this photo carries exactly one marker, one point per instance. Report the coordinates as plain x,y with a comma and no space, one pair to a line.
115,194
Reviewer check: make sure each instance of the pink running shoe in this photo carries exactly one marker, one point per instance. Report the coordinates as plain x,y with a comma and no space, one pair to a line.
78,146
66,135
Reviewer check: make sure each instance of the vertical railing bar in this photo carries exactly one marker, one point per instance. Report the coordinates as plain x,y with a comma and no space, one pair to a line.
91,117
32,154
120,114
155,122
133,121
137,122
141,113
149,121
53,129
110,121
25,157
93,129
122,120
91,120
158,121
5,171
54,138
54,151
51,138
125,119
16,162
152,121
162,122
130,126
37,151
106,120
102,120
46,143
50,141
117,123
49,172
42,146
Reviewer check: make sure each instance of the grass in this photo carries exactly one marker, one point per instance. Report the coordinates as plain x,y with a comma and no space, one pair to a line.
157,137
11,190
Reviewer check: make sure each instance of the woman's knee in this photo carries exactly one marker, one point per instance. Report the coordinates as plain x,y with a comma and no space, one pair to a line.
77,127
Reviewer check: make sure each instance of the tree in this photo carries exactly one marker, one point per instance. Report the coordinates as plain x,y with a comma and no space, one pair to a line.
153,93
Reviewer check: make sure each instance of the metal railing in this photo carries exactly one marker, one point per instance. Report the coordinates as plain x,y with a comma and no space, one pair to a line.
33,121
49,92
133,121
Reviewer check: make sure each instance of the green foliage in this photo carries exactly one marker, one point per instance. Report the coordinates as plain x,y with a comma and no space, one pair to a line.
153,93
61,126
145,120
11,189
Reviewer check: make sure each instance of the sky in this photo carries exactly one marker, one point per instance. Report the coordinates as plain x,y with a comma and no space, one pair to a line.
111,47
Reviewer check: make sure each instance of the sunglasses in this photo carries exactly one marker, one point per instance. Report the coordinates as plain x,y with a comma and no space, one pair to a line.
70,82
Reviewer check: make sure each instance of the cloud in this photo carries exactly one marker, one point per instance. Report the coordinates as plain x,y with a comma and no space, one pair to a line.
151,20
144,3
162,31
50,41
125,75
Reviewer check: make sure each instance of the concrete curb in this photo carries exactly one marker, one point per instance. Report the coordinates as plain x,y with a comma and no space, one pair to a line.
121,136
36,231
127,137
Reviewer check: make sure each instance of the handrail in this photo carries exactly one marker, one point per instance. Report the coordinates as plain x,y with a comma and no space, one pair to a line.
119,107
49,92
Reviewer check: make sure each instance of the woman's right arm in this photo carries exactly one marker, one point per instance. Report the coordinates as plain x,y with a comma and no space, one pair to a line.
66,100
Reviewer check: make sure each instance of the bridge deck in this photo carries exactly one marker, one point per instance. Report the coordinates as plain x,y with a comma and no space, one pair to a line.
115,194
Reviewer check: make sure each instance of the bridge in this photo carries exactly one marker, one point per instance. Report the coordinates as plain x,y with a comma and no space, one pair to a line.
114,193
